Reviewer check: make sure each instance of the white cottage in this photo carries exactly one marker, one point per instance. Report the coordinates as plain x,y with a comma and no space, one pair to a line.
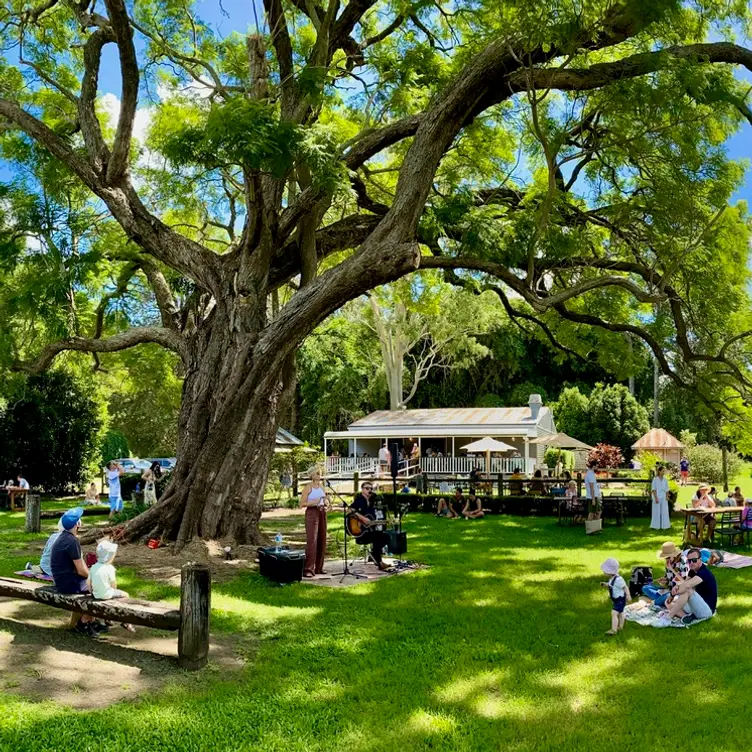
441,434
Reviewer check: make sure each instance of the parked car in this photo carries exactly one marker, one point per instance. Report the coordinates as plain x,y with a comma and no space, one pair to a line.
166,463
131,465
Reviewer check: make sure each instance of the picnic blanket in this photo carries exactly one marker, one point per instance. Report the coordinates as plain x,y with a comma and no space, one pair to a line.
34,576
648,615
735,561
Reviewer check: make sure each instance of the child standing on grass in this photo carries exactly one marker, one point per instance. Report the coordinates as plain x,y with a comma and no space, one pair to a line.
619,592
102,575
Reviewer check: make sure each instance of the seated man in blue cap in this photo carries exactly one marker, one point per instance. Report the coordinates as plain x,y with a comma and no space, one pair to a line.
69,570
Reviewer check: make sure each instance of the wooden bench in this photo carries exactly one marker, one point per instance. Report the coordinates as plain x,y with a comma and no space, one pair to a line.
191,621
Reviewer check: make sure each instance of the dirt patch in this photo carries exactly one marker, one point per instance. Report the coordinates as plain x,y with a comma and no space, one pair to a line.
42,660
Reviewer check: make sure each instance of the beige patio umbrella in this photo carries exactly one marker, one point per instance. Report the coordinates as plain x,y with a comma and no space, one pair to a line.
487,445
561,441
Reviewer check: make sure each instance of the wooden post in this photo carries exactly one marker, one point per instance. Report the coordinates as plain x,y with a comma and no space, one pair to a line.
33,512
579,484
195,605
356,482
500,487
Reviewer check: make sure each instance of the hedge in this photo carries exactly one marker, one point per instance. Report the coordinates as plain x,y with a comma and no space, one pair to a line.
633,506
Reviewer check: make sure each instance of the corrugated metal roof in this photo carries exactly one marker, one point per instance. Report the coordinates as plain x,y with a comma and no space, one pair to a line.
658,438
285,438
457,416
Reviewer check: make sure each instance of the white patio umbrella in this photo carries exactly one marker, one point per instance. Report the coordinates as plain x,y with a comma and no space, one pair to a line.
561,441
487,445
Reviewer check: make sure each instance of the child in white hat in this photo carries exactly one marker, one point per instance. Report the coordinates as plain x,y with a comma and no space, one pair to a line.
103,575
619,592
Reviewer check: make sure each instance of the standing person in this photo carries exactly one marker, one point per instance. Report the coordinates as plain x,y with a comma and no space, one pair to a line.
683,471
150,477
385,459
313,500
593,496
618,592
114,471
660,519
68,568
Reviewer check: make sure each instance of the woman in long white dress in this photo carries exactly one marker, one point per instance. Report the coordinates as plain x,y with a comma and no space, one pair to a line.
150,478
659,519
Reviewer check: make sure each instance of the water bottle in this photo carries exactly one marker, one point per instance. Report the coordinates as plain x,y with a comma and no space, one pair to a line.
278,541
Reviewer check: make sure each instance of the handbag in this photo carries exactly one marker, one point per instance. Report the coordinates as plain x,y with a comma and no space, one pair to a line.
593,526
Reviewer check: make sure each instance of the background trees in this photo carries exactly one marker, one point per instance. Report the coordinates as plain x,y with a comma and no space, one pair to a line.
335,149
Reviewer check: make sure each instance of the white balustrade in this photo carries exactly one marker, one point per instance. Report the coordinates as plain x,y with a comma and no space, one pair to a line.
369,466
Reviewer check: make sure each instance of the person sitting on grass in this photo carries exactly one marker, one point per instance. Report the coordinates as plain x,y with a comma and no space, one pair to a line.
618,592
677,570
473,508
444,509
697,596
729,501
738,497
69,570
92,495
103,576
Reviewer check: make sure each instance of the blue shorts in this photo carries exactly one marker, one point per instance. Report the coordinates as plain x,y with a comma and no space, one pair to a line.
116,503
618,604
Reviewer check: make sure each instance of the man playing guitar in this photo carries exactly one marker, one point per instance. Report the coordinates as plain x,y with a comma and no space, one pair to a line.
363,510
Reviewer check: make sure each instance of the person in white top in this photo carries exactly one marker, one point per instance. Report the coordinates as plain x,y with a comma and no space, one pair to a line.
23,483
313,500
103,577
593,493
660,519
619,593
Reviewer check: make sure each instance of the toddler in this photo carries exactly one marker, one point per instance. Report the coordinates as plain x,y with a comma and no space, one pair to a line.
102,574
619,592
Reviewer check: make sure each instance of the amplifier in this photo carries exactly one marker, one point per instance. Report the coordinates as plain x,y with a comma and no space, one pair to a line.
281,565
397,542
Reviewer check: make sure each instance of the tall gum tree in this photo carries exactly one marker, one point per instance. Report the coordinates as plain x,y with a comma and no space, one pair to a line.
344,146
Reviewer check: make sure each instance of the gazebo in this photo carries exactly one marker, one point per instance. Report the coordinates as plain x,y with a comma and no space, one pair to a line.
659,441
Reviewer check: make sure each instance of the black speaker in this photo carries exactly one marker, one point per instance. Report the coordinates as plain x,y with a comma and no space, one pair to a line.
281,565
397,542
395,461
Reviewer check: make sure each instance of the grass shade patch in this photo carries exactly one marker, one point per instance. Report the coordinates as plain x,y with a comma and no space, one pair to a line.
499,645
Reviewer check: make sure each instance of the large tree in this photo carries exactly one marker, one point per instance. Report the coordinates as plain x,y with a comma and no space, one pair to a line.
343,147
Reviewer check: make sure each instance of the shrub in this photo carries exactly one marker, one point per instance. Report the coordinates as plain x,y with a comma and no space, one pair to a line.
706,463
552,454
606,455
649,461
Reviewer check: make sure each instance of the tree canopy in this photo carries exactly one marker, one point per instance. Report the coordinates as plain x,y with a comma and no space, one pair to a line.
569,158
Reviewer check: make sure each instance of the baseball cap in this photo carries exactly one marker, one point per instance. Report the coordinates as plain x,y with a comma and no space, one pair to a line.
71,518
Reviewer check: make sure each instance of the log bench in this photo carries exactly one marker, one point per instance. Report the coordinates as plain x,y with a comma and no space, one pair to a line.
191,620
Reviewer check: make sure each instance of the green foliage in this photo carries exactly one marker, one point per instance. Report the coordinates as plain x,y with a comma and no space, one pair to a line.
606,455
571,413
688,438
706,463
48,432
616,416
113,446
552,456
649,461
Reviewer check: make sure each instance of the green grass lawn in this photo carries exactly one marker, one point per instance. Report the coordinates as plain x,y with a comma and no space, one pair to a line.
500,645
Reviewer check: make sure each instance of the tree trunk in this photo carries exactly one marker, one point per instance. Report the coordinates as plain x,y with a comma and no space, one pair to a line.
226,438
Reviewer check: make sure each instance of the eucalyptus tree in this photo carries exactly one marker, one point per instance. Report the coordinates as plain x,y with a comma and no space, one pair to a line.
568,156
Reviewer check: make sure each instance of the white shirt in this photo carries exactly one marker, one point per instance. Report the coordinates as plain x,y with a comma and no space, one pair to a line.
660,486
23,483
113,478
590,478
383,454
103,581
618,587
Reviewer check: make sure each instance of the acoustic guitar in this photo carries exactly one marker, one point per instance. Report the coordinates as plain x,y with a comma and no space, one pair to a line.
357,527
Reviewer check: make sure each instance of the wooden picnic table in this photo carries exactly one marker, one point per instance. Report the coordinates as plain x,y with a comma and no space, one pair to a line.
14,492
701,513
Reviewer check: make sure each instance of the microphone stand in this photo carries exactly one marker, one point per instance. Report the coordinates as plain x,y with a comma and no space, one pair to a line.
346,567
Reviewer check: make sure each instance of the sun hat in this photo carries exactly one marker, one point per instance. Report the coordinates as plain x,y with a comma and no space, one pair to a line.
610,566
71,518
106,550
668,550
703,485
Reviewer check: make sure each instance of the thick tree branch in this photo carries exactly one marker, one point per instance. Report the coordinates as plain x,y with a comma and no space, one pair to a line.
130,338
129,76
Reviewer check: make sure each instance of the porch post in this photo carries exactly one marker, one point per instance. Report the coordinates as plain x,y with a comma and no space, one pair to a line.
527,456
454,464
326,458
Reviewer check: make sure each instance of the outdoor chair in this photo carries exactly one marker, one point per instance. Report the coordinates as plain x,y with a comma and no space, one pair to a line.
729,526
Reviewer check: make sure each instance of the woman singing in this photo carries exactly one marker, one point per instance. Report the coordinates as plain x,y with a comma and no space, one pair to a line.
313,500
